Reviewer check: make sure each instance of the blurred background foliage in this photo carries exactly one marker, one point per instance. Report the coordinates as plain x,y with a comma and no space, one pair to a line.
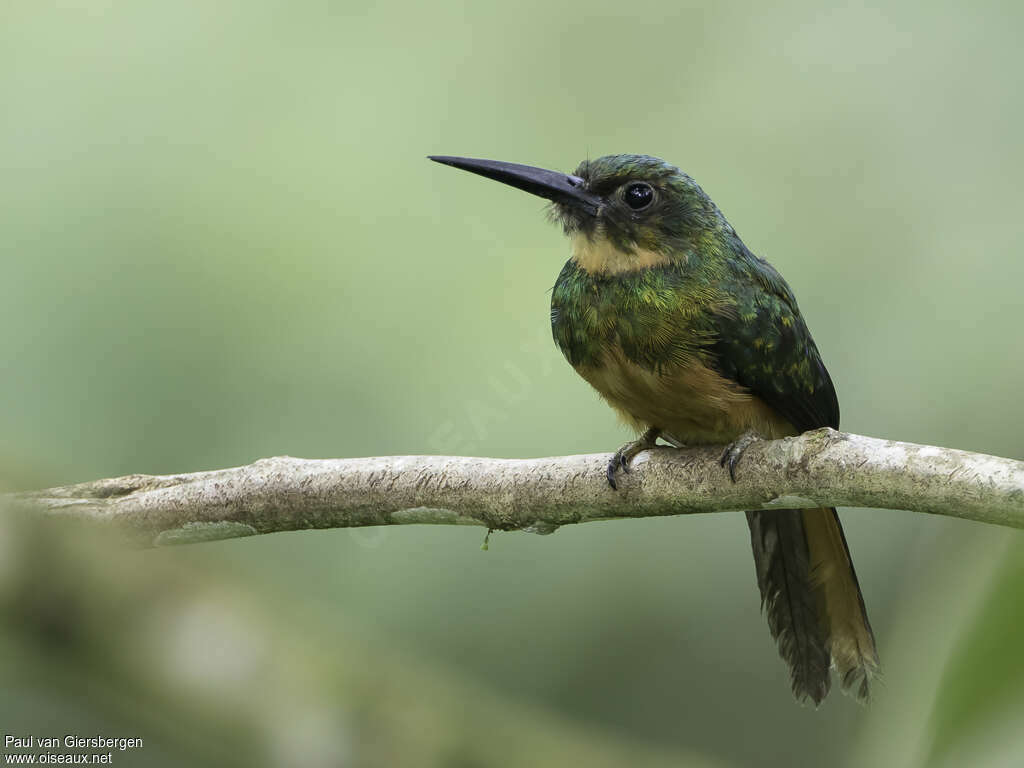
221,241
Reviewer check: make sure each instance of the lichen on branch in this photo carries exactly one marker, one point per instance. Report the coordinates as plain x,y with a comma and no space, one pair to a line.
819,468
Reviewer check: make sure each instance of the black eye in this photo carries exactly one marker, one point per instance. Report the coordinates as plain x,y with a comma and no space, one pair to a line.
638,196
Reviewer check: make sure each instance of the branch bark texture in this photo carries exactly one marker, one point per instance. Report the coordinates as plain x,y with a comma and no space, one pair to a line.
819,468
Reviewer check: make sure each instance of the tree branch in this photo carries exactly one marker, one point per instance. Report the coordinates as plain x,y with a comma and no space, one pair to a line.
819,468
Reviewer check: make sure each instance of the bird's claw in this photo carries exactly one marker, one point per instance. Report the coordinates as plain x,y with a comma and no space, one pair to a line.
618,461
621,458
610,472
734,452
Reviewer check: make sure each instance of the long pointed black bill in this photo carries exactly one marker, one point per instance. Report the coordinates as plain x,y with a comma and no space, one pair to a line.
559,187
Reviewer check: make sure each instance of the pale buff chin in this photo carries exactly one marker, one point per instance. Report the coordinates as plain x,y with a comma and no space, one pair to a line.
599,256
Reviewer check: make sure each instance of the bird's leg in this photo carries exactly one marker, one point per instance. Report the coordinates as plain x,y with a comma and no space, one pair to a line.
625,454
734,451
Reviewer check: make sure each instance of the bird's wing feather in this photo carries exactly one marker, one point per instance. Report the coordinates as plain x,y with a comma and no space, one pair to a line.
763,344
808,586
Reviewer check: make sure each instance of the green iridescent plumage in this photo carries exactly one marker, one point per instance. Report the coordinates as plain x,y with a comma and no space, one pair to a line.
713,300
693,338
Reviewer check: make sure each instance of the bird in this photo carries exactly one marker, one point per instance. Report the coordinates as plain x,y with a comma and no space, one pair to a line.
693,339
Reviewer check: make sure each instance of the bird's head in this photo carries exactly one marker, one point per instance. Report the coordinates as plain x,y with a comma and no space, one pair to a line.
623,212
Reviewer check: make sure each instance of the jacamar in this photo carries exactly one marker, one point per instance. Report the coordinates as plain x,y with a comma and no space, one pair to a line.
692,338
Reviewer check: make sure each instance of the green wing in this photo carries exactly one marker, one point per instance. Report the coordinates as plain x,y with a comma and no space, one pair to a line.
763,344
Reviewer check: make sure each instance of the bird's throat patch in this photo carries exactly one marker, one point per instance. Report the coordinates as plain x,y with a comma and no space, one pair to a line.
599,256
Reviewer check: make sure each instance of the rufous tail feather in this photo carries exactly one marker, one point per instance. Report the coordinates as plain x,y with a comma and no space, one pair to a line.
809,593
851,643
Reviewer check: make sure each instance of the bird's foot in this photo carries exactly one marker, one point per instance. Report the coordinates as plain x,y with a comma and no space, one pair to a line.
625,454
734,452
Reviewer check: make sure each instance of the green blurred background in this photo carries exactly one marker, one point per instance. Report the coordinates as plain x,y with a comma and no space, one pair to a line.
220,240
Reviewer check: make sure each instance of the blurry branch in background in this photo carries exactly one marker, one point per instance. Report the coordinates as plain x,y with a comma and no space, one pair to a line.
819,468
213,669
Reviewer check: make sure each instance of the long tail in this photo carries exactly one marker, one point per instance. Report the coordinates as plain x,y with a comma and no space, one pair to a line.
810,594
